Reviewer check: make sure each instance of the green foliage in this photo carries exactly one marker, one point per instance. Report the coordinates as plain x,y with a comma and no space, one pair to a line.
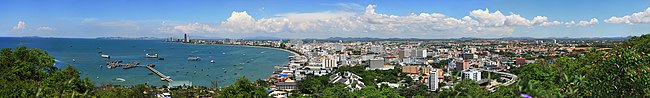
373,92
243,88
375,76
314,84
466,88
30,73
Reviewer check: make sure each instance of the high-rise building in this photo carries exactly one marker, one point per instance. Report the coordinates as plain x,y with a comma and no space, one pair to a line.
186,38
435,77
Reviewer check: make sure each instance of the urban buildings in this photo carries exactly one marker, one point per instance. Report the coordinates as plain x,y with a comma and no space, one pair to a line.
472,74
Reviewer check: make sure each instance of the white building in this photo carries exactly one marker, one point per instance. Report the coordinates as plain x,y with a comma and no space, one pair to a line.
330,63
472,74
433,79
351,80
419,53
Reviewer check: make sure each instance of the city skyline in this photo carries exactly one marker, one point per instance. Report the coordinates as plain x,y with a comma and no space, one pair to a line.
323,19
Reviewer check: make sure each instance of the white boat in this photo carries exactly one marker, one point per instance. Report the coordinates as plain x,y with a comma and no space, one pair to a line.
152,55
193,58
211,61
120,79
105,56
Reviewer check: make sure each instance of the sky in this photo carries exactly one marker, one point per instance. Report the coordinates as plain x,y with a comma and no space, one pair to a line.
324,18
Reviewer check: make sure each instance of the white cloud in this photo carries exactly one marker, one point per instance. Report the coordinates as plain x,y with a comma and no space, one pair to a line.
479,23
315,16
635,18
20,26
195,27
45,29
586,23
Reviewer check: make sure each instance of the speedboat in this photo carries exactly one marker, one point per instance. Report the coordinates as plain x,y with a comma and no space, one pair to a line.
106,56
152,55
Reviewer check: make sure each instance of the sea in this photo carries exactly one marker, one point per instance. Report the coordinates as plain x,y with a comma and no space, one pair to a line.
230,62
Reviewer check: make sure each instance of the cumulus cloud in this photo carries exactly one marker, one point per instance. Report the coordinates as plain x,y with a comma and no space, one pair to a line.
586,23
635,18
20,26
478,23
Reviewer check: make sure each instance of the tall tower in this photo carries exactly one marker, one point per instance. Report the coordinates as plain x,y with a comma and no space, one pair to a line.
185,38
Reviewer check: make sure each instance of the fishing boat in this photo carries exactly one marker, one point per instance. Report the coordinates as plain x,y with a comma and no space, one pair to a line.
152,55
105,56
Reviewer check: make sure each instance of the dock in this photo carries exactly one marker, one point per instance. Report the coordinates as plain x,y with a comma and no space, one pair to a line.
117,63
163,77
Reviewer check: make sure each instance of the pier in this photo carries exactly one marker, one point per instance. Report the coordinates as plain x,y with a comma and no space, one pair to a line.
116,63
163,77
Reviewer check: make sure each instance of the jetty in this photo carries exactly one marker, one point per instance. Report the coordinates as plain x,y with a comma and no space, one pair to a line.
117,63
163,77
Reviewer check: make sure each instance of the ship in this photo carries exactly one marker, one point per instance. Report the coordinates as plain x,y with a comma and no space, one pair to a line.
211,61
105,56
152,55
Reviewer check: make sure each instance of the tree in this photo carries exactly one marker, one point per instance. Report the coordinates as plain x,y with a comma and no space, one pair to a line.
337,91
314,84
243,88
31,73
374,92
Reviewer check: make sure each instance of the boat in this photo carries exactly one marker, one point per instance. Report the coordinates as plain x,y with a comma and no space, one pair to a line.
106,56
120,79
74,60
152,55
193,58
211,61
161,58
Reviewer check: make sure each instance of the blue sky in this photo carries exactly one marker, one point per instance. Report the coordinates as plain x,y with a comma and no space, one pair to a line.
325,18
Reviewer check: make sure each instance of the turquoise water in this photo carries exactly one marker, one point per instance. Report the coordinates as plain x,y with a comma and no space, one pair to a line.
255,63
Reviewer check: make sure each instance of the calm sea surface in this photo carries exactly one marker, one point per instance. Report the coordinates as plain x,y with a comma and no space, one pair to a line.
253,63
